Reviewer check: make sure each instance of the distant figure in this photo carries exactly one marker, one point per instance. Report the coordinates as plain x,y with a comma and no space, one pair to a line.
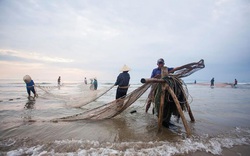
123,82
235,82
91,87
30,85
212,82
85,80
95,84
194,81
59,80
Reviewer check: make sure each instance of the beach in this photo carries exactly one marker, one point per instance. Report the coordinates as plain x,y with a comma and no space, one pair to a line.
221,127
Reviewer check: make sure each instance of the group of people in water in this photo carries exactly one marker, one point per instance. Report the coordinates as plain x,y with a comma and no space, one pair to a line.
233,85
124,77
93,82
30,85
122,80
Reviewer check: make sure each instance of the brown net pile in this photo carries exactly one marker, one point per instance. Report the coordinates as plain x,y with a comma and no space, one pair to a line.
115,107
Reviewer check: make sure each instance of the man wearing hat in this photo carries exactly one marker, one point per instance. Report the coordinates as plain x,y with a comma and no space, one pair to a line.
156,73
30,85
123,82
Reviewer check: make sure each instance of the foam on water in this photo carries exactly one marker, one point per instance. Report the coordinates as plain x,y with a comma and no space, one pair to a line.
213,145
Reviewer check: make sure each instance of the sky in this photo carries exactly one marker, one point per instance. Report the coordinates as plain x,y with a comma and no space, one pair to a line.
95,38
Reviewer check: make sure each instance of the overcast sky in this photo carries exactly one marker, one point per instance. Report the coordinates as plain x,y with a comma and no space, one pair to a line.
95,38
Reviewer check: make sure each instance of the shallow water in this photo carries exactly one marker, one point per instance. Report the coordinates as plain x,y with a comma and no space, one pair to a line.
222,122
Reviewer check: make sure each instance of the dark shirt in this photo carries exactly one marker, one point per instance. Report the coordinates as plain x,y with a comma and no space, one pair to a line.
123,79
95,84
157,71
212,82
30,84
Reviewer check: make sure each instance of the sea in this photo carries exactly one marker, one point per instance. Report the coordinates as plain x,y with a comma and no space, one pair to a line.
27,127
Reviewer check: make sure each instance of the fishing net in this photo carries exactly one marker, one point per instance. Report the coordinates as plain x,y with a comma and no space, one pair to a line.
81,99
169,107
46,88
115,107
88,97
188,69
111,109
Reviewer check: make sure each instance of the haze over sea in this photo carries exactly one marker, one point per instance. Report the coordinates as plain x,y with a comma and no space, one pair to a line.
222,125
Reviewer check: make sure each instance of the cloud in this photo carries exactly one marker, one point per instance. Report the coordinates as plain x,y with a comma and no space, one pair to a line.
43,72
103,36
32,56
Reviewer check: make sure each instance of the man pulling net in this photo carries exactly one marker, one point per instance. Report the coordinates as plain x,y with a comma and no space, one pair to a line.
111,109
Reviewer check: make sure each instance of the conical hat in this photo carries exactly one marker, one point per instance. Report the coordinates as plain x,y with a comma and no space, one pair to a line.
27,79
125,68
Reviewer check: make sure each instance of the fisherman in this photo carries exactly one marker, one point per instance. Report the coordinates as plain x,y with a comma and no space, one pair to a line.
30,85
95,83
212,82
85,80
123,82
59,80
156,73
235,82
91,87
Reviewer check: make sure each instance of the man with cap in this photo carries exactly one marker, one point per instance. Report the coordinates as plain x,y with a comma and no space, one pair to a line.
123,82
156,73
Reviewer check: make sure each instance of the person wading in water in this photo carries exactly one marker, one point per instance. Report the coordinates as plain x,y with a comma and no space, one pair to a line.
123,82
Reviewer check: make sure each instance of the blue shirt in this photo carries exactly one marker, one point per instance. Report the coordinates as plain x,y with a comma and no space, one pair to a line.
30,84
123,79
157,71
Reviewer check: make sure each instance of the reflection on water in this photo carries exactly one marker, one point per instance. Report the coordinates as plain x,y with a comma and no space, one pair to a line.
28,110
30,104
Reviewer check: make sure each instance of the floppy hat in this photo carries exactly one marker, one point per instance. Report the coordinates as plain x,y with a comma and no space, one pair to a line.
125,68
27,79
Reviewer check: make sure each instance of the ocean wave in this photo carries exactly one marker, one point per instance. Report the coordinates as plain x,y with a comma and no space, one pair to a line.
205,143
